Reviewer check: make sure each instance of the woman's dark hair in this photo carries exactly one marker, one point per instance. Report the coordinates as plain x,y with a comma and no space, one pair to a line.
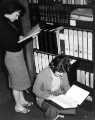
60,63
10,7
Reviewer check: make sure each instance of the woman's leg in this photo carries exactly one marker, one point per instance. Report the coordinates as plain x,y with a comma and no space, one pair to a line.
19,106
23,100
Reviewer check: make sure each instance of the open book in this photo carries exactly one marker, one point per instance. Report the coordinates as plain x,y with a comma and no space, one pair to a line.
72,99
34,31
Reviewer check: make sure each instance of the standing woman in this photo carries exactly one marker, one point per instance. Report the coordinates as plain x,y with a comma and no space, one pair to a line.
10,34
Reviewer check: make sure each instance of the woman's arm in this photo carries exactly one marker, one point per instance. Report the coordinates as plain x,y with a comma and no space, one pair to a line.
39,90
32,33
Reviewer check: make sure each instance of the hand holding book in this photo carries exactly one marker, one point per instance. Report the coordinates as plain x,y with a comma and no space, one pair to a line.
73,97
32,33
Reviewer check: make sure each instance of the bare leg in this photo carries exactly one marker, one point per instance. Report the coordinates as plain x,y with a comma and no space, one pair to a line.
19,107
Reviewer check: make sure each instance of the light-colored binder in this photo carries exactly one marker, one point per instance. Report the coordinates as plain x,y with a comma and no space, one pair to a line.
83,77
85,45
58,41
75,43
67,49
87,79
46,60
36,62
90,45
40,61
78,75
50,58
91,80
80,38
71,38
43,61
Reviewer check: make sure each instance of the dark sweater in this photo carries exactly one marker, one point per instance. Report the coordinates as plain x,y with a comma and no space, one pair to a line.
9,36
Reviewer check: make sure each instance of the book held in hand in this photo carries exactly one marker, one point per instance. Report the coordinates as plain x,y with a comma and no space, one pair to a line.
72,99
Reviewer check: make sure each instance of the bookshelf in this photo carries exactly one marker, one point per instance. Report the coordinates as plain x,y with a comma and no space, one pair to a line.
66,30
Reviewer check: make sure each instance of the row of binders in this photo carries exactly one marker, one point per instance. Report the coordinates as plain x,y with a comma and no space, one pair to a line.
77,43
42,60
76,2
85,77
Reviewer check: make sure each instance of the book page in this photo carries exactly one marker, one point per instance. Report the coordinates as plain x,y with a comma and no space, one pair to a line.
77,94
74,97
63,101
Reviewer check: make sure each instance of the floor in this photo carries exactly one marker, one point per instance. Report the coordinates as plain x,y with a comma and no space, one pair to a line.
85,112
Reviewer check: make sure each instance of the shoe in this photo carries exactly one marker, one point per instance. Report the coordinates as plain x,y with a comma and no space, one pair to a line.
22,109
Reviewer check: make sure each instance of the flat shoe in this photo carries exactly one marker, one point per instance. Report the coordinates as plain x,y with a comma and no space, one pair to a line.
22,110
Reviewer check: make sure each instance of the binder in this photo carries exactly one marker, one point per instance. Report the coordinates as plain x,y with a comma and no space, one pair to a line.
40,61
80,38
58,34
62,43
87,79
50,58
91,80
85,45
67,49
79,76
83,77
46,60
36,62
43,61
75,43
90,45
71,37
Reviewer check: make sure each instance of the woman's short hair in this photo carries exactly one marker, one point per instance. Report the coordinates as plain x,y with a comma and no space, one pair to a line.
10,7
60,63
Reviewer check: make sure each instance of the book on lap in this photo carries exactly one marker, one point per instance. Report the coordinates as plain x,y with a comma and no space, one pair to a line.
74,97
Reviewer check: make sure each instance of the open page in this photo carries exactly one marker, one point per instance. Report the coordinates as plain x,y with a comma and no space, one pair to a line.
74,97
77,93
34,31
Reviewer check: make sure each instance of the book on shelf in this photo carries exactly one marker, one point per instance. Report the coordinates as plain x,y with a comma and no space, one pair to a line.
90,38
91,80
66,37
80,38
85,41
75,43
73,98
36,62
71,38
82,14
87,79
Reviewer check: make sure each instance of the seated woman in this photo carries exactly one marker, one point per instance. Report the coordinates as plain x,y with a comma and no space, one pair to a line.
52,80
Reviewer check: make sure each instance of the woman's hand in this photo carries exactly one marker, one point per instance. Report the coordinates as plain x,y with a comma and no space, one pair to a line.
21,37
58,92
34,31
